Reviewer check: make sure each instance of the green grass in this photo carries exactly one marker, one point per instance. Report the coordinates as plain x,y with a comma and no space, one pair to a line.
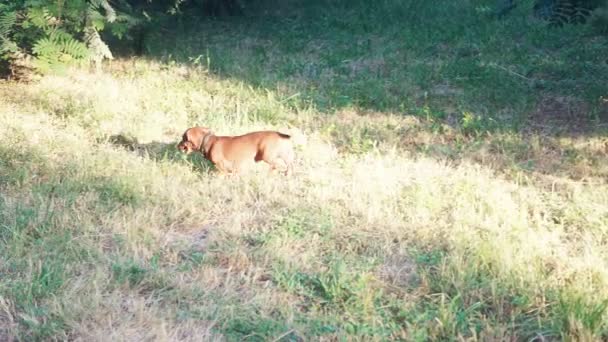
450,183
390,56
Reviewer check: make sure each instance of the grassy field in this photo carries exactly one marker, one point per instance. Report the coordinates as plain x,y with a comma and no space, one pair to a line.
450,182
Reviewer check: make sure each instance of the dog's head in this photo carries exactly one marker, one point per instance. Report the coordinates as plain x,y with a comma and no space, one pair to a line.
193,138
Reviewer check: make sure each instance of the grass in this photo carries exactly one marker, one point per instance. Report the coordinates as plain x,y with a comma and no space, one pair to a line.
450,184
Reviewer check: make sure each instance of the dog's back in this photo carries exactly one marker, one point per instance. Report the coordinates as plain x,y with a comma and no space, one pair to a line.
273,147
233,153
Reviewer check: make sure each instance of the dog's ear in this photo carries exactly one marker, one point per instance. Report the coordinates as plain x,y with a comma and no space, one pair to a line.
195,136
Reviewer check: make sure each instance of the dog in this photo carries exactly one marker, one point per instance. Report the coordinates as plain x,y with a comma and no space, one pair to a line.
230,154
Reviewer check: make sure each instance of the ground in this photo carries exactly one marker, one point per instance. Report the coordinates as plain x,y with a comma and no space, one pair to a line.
450,183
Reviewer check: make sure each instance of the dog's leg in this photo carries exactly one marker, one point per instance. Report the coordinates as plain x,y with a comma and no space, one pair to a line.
273,165
289,169
288,158
284,166
221,166
273,168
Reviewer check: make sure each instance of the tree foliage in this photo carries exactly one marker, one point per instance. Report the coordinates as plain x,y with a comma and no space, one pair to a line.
46,34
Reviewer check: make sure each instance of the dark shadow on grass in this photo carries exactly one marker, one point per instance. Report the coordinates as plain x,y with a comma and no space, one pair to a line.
163,152
32,169
397,57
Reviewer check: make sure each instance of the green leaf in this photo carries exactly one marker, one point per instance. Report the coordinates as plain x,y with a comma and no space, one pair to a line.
7,21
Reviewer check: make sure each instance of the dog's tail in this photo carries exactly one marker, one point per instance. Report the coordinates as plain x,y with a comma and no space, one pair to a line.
296,136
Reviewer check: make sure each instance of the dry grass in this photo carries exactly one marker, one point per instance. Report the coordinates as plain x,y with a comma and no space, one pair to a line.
367,239
411,215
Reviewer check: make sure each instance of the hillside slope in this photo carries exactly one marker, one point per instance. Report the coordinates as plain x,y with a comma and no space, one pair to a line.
451,183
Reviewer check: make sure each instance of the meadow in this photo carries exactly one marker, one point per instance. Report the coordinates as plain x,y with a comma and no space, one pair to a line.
450,182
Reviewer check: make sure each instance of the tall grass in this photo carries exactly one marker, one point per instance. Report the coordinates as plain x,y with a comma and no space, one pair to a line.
404,220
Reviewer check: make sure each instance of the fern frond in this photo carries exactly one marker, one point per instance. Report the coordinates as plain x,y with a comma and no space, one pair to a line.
7,21
580,13
53,52
57,34
93,17
560,12
40,18
74,48
43,64
7,46
46,49
108,9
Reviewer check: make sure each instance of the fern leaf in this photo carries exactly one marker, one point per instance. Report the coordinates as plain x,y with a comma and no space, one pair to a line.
566,11
108,9
7,20
57,34
46,47
42,64
74,48
95,18
40,18
53,53
7,46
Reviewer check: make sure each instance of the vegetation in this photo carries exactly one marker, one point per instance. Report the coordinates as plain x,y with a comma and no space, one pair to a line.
40,36
451,181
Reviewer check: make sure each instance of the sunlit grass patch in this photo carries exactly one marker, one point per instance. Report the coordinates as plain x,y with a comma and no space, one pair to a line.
416,210
387,240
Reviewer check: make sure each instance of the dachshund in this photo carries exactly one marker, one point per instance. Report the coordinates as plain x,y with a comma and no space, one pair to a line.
230,154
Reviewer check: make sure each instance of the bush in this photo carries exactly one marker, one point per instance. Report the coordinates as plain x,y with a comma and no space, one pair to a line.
43,35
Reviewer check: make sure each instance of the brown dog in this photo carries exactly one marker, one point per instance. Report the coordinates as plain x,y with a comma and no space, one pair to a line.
231,153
